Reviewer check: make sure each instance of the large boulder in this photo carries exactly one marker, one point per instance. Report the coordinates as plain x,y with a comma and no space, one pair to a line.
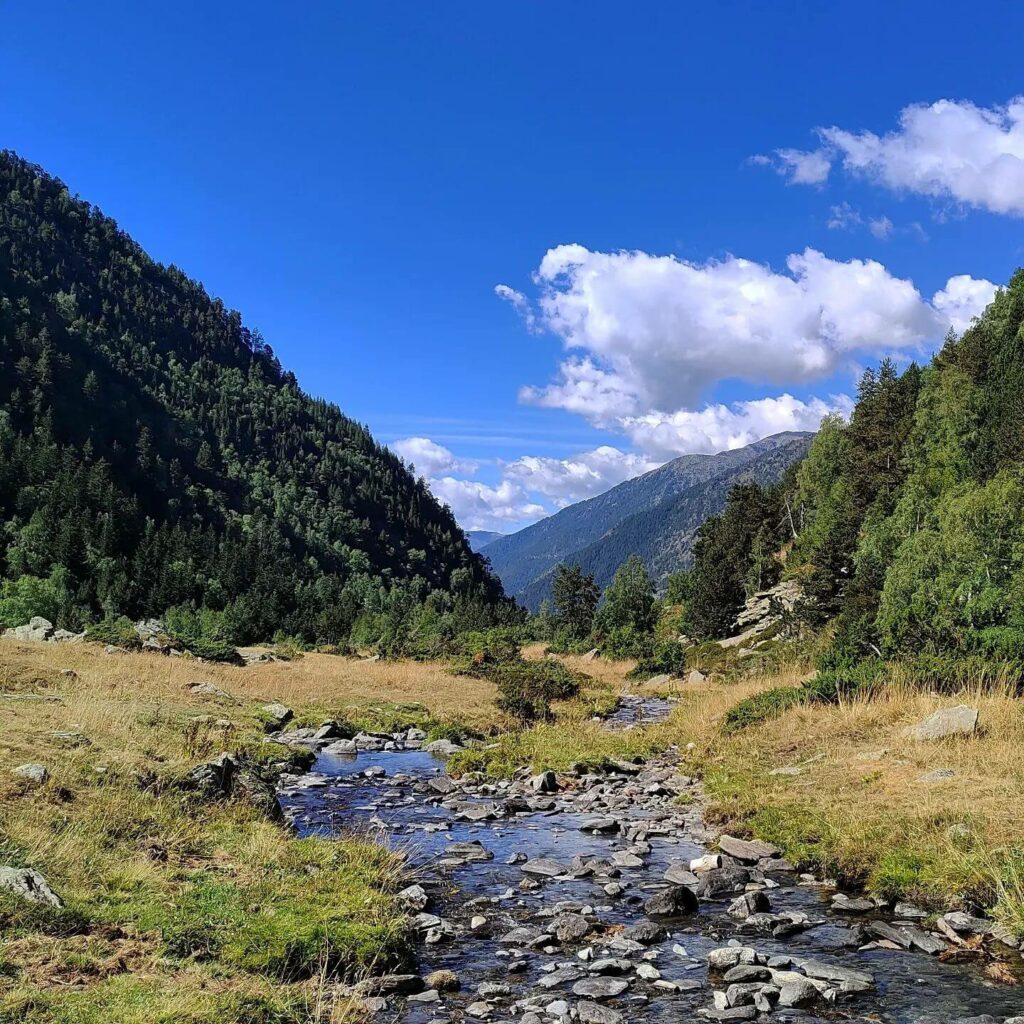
959,721
28,885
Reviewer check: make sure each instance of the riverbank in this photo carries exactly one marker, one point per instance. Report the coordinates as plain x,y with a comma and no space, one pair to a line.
175,905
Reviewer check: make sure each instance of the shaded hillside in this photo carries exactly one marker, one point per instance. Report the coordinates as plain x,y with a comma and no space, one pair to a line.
153,452
525,558
664,535
479,539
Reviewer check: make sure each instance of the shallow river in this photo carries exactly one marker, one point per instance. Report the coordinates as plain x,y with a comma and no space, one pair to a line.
404,812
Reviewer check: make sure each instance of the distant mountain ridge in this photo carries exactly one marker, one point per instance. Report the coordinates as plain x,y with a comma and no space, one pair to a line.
479,539
655,516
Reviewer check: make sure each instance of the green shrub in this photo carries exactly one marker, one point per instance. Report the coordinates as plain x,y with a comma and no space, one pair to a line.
527,688
663,657
763,706
116,630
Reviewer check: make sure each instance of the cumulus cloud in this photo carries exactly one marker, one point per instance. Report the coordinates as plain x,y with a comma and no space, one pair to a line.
431,459
580,476
720,427
479,506
963,298
656,332
950,149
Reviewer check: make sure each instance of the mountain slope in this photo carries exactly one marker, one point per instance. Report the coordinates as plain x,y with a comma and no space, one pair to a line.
479,539
664,535
523,559
154,454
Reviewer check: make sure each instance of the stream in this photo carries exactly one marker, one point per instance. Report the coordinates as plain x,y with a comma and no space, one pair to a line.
521,933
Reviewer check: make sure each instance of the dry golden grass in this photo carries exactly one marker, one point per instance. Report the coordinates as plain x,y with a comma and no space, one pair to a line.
113,687
139,864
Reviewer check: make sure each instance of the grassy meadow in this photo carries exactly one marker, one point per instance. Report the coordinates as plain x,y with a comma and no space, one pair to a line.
182,909
176,908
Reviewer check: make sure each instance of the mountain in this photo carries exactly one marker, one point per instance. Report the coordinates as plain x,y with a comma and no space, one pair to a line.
154,454
655,515
479,539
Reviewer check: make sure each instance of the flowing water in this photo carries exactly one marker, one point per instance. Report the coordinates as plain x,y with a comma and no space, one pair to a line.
389,794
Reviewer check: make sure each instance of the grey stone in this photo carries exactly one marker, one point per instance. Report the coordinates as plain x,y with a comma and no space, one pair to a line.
959,721
28,885
37,773
797,991
646,933
672,902
594,1013
277,715
389,985
443,747
543,867
749,903
600,988
570,927
545,782
747,850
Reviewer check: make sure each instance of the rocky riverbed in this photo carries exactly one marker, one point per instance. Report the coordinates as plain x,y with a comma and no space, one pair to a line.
602,898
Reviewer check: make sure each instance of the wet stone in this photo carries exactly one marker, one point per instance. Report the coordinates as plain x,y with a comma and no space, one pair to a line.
600,987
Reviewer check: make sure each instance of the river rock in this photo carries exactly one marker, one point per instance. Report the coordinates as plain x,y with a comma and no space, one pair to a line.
443,747
543,867
679,874
601,987
414,897
906,936
722,881
389,985
850,980
563,976
443,981
594,1013
959,721
646,933
28,885
570,927
965,924
672,902
748,851
797,992
545,782
696,677
600,826
749,903
470,852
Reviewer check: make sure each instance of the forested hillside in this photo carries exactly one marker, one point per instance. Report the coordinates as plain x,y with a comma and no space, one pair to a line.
154,455
905,525
654,515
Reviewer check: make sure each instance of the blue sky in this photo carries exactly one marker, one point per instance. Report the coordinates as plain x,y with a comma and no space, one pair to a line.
358,179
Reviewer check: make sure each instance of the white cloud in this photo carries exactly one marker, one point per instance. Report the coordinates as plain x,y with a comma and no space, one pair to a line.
656,332
580,476
430,458
950,149
802,168
880,227
478,506
963,299
844,218
720,427
519,302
